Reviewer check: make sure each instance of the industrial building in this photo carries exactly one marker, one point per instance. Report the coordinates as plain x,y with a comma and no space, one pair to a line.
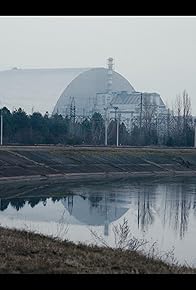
107,92
86,91
78,91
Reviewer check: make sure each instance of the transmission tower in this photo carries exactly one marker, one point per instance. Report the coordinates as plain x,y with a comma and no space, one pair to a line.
72,109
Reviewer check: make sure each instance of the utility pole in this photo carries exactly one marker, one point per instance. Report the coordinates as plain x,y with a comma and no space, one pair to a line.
117,125
1,128
141,112
115,108
168,121
72,116
117,130
106,222
106,127
195,133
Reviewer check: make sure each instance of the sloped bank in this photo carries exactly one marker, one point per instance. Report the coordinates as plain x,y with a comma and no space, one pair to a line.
53,163
26,252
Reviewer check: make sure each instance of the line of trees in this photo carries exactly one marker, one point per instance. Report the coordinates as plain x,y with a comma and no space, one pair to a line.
176,128
20,128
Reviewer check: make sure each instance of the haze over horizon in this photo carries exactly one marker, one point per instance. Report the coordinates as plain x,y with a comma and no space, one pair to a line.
155,54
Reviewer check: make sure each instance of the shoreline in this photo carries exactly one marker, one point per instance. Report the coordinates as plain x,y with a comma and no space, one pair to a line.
41,165
96,176
30,253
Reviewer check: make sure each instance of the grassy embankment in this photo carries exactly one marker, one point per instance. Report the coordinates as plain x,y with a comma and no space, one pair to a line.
25,252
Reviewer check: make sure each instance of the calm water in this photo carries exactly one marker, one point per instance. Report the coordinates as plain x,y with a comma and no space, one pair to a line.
157,210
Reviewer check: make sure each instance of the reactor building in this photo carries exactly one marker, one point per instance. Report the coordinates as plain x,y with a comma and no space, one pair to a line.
105,91
78,91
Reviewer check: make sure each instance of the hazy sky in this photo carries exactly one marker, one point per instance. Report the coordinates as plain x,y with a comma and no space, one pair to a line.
156,54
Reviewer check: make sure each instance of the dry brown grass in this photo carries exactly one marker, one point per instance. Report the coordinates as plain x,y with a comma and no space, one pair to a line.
25,252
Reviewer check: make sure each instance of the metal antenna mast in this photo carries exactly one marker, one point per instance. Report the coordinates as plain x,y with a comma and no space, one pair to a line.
108,95
73,110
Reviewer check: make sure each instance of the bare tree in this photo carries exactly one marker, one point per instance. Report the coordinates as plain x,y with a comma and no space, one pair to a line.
187,118
149,121
181,121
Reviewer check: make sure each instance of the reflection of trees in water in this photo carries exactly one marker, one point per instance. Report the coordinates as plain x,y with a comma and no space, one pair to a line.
34,201
181,207
19,203
145,207
4,204
56,198
184,214
194,200
177,203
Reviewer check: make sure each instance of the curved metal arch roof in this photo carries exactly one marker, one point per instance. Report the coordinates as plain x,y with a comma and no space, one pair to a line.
41,89
35,88
86,85
83,212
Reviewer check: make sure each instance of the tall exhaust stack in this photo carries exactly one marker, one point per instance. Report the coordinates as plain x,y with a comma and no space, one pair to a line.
110,70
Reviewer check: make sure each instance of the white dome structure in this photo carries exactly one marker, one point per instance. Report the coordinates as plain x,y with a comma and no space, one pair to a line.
50,89
74,92
84,89
34,88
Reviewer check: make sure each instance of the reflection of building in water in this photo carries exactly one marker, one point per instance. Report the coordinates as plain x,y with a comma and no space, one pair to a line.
172,203
70,203
95,210
106,228
106,224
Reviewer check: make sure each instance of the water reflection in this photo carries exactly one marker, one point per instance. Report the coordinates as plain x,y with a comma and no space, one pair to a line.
177,209
171,203
90,210
19,203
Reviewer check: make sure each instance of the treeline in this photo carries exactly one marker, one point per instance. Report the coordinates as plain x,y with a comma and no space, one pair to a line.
20,128
175,128
19,203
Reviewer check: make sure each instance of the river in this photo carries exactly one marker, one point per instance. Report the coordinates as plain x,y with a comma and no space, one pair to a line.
160,211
